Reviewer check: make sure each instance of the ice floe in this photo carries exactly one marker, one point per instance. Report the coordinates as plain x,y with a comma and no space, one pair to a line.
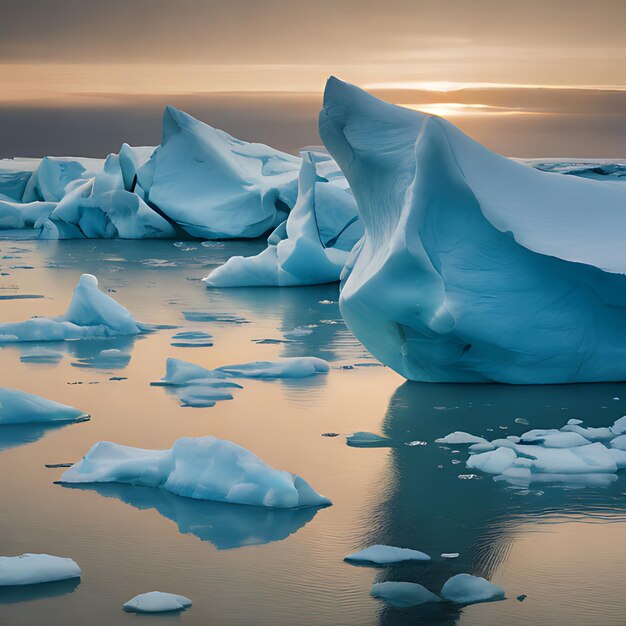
204,468
32,569
386,555
157,602
403,594
91,314
473,264
573,454
468,589
19,407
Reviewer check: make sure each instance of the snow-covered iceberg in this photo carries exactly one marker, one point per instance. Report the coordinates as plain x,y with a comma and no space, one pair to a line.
215,186
313,245
19,407
156,602
32,569
474,267
91,314
205,468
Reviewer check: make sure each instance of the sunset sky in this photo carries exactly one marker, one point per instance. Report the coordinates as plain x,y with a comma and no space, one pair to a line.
117,63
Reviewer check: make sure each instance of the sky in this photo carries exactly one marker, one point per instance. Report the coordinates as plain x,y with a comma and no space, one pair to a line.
84,75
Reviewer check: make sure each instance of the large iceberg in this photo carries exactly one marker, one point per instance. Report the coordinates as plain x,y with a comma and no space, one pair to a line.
91,314
215,186
474,267
313,245
32,569
205,468
19,407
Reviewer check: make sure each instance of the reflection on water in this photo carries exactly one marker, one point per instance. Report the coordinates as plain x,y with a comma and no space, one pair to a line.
430,497
224,525
562,547
23,593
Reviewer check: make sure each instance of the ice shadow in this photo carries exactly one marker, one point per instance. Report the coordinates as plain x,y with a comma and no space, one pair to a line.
41,591
224,525
427,506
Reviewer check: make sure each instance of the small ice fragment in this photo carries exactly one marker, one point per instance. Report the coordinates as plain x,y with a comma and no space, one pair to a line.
31,569
521,420
364,439
468,589
460,438
416,443
386,555
574,422
449,555
156,602
402,594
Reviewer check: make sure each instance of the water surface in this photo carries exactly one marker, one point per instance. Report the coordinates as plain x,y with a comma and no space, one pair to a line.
562,547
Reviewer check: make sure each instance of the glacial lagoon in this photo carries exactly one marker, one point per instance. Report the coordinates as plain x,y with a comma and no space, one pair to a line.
557,549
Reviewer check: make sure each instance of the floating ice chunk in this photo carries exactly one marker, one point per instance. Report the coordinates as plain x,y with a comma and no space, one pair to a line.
619,442
475,448
41,355
589,459
619,456
293,367
157,602
574,422
364,439
468,589
386,555
91,314
472,264
459,437
619,426
32,569
312,246
215,186
492,462
591,434
205,468
105,359
553,438
449,555
401,594
19,407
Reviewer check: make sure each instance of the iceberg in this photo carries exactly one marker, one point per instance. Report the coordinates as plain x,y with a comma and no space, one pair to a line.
475,267
91,315
402,595
19,407
312,245
14,176
156,602
204,468
468,589
459,438
290,367
33,569
386,555
215,186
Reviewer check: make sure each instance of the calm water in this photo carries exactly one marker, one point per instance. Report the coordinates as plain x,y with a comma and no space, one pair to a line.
562,548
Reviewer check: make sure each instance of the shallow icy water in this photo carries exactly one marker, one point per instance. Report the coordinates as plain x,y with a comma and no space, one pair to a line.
562,548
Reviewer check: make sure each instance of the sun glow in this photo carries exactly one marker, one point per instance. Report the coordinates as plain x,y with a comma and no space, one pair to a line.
456,109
